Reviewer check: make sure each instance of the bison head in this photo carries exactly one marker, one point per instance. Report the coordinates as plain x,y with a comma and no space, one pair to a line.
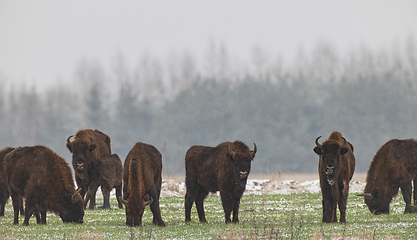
135,209
330,152
73,208
80,149
377,201
241,157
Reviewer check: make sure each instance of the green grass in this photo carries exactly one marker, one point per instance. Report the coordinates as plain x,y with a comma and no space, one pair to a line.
295,216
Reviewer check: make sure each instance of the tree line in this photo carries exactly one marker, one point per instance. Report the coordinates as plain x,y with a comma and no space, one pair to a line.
367,95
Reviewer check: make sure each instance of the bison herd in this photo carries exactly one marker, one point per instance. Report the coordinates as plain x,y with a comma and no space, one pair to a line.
45,181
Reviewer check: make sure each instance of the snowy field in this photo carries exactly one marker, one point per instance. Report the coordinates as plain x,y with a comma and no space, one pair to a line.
177,188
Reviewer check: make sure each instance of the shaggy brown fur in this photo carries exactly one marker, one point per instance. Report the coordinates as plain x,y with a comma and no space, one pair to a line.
224,168
44,179
107,173
142,179
394,166
336,167
88,146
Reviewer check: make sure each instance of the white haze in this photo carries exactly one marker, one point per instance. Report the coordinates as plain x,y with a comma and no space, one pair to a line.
41,42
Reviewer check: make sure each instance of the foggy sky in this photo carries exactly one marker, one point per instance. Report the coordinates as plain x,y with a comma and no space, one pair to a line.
42,41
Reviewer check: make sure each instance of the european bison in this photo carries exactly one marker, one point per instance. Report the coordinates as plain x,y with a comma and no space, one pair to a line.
224,168
142,180
45,180
336,167
4,191
394,166
88,146
107,172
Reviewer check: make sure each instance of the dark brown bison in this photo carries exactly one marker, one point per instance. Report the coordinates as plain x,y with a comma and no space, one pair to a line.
106,173
224,168
142,183
4,191
394,166
44,179
88,146
336,167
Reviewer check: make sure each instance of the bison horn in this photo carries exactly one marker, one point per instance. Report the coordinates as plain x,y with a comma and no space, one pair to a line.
254,150
122,200
231,151
74,196
364,194
149,202
317,142
69,139
91,139
344,141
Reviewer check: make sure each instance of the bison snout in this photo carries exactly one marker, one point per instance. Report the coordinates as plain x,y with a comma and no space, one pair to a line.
243,175
80,166
329,170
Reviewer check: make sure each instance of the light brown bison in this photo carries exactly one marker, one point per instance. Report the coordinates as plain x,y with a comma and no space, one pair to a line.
224,168
106,173
88,146
142,180
4,191
394,166
44,179
336,167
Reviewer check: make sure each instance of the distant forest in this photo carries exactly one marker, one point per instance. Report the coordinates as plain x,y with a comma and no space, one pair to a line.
370,96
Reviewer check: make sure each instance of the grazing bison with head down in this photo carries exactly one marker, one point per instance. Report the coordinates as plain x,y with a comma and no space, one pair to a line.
86,148
394,166
107,173
336,167
44,179
224,168
142,180
4,191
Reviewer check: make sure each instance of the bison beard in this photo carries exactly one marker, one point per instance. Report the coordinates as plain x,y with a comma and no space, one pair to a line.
44,179
393,167
336,167
224,168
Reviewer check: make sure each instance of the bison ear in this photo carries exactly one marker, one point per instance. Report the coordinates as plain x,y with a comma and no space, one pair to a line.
92,147
69,146
317,150
343,150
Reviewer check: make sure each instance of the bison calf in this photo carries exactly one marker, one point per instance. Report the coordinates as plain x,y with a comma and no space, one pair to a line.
107,172
44,179
394,166
224,168
142,181
336,167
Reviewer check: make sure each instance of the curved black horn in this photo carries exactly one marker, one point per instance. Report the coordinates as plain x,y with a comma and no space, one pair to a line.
317,141
254,148
344,141
68,139
74,196
91,139
230,150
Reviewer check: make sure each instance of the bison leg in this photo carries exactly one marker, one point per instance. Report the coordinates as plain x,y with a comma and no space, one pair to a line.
236,203
106,197
91,193
201,195
119,194
30,208
406,191
227,203
190,197
16,201
156,211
